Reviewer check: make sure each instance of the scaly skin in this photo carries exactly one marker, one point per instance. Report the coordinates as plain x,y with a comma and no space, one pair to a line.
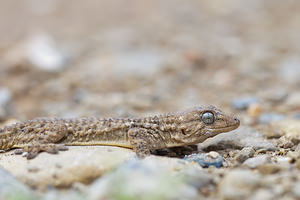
142,134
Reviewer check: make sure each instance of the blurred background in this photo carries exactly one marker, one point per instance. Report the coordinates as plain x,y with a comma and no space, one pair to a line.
130,58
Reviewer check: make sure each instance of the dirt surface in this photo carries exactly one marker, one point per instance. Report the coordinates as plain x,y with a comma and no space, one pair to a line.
137,58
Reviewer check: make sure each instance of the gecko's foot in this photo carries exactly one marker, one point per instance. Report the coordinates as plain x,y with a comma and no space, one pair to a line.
32,150
142,154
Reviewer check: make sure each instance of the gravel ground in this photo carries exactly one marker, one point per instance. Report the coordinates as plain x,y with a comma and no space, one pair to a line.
134,58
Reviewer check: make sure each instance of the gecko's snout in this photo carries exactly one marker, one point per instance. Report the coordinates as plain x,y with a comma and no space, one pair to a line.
236,121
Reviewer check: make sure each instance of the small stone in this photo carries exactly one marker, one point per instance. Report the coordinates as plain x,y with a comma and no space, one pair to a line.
238,184
283,160
275,95
284,142
43,53
5,96
268,168
290,70
298,147
293,100
271,132
206,159
270,117
244,103
257,161
290,129
244,154
254,110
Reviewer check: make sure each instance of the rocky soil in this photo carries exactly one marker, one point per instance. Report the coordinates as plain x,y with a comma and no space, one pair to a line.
135,58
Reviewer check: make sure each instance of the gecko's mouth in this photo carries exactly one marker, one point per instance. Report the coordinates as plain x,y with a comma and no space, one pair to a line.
224,129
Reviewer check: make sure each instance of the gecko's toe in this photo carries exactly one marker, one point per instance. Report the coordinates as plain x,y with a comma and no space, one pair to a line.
62,147
18,151
51,150
31,155
54,148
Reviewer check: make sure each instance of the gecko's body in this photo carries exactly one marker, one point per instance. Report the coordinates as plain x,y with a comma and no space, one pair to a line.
142,135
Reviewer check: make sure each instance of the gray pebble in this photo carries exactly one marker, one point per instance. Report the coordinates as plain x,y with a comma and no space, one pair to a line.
270,117
243,103
206,159
256,161
244,154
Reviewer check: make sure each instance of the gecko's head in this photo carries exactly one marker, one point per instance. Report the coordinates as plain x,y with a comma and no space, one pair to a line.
201,123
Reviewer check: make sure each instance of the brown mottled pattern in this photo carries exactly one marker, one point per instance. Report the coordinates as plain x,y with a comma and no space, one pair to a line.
142,135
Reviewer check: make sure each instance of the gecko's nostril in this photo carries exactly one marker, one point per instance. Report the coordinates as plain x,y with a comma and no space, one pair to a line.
236,120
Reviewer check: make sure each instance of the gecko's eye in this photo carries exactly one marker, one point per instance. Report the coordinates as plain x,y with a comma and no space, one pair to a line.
208,118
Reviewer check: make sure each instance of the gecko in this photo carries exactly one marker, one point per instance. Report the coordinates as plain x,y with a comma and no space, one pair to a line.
52,135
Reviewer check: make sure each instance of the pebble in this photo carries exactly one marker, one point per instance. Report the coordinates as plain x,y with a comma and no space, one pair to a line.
244,154
5,96
283,161
270,132
254,110
244,103
238,139
290,70
284,142
297,147
276,95
238,184
206,159
43,53
290,131
270,117
269,168
257,161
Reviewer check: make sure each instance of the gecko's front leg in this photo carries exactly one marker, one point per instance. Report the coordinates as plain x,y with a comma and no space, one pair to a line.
143,140
45,141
